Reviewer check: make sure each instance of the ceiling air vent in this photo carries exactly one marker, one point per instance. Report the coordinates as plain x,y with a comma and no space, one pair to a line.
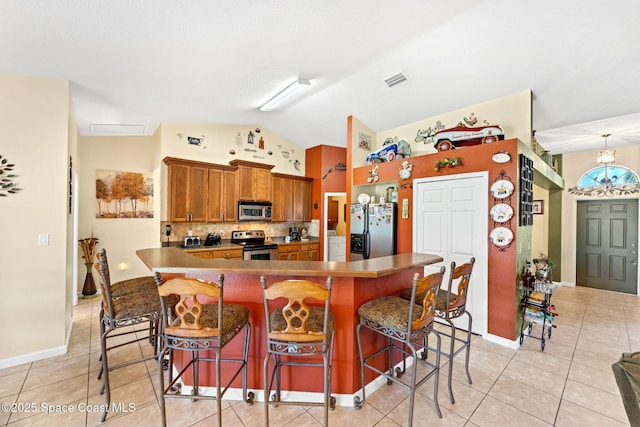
116,129
395,80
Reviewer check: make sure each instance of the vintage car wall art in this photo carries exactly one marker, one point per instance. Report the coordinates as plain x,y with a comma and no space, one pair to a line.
462,136
390,149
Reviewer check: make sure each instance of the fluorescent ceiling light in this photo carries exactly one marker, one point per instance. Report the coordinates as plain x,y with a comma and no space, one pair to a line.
285,93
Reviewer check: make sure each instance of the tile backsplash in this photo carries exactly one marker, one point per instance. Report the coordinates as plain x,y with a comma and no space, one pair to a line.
179,230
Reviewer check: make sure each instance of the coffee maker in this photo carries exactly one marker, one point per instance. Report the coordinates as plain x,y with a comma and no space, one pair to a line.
294,233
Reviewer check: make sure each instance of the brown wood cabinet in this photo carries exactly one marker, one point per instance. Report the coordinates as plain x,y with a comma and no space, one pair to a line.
299,251
282,198
223,194
291,198
206,192
226,253
187,190
302,199
289,251
309,251
254,181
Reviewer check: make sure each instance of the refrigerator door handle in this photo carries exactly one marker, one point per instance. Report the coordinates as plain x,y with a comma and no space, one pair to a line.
367,245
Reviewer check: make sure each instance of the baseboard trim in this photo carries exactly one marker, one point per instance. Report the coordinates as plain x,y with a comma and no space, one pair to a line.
34,357
502,341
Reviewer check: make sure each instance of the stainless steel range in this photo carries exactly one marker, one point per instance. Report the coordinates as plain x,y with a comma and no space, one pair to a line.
254,246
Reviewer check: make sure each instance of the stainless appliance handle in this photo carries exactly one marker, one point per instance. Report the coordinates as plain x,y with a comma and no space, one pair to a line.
367,245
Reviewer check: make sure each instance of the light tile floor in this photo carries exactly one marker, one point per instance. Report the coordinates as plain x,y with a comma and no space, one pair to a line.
569,384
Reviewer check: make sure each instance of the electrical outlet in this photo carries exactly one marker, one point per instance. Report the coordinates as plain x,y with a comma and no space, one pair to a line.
167,230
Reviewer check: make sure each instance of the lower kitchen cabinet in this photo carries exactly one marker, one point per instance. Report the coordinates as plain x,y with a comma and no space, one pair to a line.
299,251
221,253
289,252
309,251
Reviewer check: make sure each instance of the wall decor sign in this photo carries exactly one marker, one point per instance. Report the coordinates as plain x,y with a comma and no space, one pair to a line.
364,141
501,157
537,207
193,141
426,135
124,194
7,186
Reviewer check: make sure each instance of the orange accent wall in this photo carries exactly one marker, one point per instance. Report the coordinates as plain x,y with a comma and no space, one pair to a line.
502,282
319,160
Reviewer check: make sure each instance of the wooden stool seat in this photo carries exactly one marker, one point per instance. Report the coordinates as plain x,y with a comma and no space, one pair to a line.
200,322
296,331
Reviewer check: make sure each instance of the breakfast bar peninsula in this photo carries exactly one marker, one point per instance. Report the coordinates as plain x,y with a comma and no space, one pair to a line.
353,284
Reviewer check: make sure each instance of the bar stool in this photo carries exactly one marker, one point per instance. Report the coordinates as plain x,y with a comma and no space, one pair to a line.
405,323
123,313
451,305
196,326
297,331
145,284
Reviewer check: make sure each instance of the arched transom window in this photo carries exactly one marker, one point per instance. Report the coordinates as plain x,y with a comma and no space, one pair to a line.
607,180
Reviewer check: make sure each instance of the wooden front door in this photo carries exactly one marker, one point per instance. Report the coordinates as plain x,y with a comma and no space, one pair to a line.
607,245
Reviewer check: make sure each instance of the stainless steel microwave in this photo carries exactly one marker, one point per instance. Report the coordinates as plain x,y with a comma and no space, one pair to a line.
254,211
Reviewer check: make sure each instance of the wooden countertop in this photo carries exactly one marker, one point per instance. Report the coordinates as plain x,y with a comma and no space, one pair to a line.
175,260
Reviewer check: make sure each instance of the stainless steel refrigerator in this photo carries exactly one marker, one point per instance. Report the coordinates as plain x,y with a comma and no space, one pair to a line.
373,230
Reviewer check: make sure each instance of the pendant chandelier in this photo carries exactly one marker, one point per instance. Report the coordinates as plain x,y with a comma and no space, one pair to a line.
607,179
606,157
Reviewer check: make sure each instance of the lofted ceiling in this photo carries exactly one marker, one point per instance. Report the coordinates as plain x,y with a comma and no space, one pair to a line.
145,62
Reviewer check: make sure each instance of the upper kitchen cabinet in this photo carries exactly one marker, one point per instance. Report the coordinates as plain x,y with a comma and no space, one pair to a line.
254,181
223,190
282,198
302,199
291,198
188,189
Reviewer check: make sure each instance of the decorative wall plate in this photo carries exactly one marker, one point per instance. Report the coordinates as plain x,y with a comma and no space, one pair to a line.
501,157
501,212
501,236
502,189
363,198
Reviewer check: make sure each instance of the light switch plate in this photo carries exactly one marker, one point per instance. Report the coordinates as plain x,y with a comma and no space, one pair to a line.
43,239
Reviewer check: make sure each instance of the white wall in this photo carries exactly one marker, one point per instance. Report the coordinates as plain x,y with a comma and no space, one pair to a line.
123,236
34,298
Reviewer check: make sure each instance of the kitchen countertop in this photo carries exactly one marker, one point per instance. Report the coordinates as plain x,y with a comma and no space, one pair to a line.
226,244
280,240
176,260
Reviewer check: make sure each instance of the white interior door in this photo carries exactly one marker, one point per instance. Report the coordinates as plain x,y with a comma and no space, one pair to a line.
450,219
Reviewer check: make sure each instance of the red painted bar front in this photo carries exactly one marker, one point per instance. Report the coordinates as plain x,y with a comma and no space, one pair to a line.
353,284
